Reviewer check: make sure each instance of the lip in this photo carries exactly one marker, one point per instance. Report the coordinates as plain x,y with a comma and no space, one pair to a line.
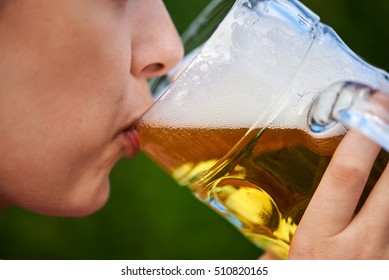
131,142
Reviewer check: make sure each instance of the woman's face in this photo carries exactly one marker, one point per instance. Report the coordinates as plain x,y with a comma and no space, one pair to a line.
73,78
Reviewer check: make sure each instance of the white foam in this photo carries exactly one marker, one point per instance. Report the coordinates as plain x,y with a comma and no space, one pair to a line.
250,74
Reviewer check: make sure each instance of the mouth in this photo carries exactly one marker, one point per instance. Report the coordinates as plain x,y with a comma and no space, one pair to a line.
131,142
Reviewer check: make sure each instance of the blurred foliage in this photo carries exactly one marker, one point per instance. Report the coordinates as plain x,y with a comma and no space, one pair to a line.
148,216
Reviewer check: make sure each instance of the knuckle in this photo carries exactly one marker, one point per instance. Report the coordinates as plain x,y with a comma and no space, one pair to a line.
345,173
303,246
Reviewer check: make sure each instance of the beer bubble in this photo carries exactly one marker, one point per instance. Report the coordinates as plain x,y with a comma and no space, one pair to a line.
181,95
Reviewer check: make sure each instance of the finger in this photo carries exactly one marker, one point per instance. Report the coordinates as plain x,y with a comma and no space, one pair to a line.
333,204
375,212
268,256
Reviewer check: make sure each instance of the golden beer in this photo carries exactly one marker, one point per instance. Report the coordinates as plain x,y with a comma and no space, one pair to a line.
261,180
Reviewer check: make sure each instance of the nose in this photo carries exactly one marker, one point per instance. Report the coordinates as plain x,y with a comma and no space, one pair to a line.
156,45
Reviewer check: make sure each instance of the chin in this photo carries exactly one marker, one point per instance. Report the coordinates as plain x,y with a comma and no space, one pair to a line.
85,205
84,210
81,203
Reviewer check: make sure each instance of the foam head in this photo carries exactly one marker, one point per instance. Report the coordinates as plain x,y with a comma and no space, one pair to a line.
262,67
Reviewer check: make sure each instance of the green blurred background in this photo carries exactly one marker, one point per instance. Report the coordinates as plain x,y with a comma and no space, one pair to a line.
148,216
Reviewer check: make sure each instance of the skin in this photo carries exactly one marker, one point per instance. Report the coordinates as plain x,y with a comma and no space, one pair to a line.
73,79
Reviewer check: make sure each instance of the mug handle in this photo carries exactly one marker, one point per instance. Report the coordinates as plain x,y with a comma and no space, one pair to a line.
355,105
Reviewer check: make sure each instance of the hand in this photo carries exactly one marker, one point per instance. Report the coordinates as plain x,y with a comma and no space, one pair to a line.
268,256
329,228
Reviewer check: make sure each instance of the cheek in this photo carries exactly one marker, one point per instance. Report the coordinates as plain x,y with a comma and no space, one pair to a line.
70,72
57,161
84,85
67,94
58,148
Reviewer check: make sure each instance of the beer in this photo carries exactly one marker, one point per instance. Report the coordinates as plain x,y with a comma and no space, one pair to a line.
261,180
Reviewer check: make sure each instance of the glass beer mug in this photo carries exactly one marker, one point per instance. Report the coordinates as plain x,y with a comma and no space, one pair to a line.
250,120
